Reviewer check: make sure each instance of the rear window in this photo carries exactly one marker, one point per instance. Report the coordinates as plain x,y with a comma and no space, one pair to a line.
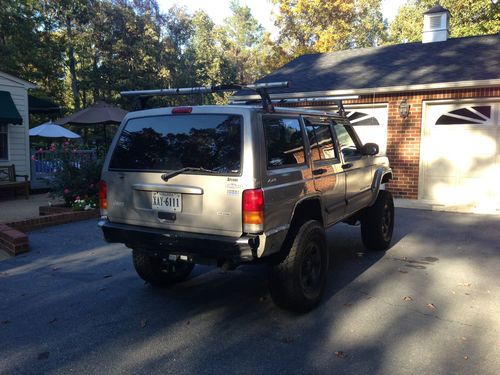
160,143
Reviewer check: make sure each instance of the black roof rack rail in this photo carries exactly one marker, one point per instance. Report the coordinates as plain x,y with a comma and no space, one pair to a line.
276,99
260,88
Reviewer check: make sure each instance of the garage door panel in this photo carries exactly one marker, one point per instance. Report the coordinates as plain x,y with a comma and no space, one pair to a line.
460,153
370,123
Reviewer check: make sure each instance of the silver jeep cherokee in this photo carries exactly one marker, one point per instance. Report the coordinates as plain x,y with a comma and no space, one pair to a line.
228,185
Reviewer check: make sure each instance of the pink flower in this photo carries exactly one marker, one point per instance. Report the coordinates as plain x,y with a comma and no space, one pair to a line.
77,198
40,150
66,191
33,157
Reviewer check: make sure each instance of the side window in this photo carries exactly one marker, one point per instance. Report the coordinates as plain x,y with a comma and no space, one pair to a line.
320,139
284,143
346,142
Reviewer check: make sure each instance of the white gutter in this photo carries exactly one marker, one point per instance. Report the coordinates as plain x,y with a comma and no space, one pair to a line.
380,90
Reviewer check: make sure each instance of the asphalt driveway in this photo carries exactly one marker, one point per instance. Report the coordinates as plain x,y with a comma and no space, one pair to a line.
429,305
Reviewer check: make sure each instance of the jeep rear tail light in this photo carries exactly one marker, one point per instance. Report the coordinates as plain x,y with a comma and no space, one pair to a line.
181,110
253,211
103,192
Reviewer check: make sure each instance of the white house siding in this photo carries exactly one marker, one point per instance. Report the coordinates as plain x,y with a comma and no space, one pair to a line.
18,142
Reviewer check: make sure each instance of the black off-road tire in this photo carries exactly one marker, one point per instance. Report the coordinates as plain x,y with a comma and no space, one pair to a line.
158,272
298,282
377,223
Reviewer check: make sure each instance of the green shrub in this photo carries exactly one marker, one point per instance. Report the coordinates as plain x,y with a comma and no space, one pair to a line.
78,181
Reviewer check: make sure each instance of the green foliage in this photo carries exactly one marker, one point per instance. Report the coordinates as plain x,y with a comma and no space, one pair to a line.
468,18
82,51
308,26
77,181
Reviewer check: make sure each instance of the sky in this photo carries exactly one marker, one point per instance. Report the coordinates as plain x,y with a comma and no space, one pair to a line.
261,9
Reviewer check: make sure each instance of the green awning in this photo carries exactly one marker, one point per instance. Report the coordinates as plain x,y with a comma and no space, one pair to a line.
8,111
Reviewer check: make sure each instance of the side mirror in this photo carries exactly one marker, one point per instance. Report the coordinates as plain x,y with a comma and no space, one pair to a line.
370,149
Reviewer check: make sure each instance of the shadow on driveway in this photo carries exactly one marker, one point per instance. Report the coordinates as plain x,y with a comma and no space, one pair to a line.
75,304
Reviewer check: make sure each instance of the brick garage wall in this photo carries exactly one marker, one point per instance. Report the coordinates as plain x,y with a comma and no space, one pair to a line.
403,135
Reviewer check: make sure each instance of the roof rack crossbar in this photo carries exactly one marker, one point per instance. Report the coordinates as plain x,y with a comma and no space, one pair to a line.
336,99
260,88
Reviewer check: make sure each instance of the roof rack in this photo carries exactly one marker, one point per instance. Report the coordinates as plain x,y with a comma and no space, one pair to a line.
260,88
336,99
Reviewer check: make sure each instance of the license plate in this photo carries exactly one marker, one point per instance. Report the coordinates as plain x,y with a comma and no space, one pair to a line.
167,202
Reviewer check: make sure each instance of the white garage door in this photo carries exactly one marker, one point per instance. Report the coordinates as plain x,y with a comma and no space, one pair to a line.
370,122
460,154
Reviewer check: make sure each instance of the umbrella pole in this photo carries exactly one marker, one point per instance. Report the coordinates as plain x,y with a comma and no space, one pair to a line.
105,136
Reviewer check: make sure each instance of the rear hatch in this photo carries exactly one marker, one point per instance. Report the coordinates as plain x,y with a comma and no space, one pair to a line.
151,145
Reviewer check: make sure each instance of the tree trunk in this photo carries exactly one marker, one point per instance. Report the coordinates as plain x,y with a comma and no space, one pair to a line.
72,65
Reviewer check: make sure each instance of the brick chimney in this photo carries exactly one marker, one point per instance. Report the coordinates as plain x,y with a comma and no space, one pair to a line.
436,25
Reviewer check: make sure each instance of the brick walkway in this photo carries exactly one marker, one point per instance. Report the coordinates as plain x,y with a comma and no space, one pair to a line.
20,208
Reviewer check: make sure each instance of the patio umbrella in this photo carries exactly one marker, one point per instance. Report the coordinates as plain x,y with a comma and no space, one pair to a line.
51,130
98,113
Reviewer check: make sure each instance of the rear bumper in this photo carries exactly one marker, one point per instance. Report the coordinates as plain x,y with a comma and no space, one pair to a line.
165,242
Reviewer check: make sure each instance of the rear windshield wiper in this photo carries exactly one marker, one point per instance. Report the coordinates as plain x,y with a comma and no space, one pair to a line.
169,175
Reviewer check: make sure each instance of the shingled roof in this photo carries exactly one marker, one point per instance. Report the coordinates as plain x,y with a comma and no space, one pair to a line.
397,66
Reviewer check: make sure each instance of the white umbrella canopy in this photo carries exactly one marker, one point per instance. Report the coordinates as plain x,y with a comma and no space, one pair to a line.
51,130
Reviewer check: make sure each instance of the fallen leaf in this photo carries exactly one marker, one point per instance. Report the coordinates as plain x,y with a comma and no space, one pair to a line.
430,306
107,276
403,271
340,354
43,355
52,320
144,323
464,338
467,294
7,321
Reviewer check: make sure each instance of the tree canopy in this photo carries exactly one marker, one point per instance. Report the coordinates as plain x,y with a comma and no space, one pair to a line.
468,18
81,51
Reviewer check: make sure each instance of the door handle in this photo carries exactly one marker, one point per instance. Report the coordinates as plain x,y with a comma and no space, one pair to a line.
347,166
319,171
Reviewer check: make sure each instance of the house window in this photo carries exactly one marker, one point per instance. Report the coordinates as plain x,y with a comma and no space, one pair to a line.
479,115
4,140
